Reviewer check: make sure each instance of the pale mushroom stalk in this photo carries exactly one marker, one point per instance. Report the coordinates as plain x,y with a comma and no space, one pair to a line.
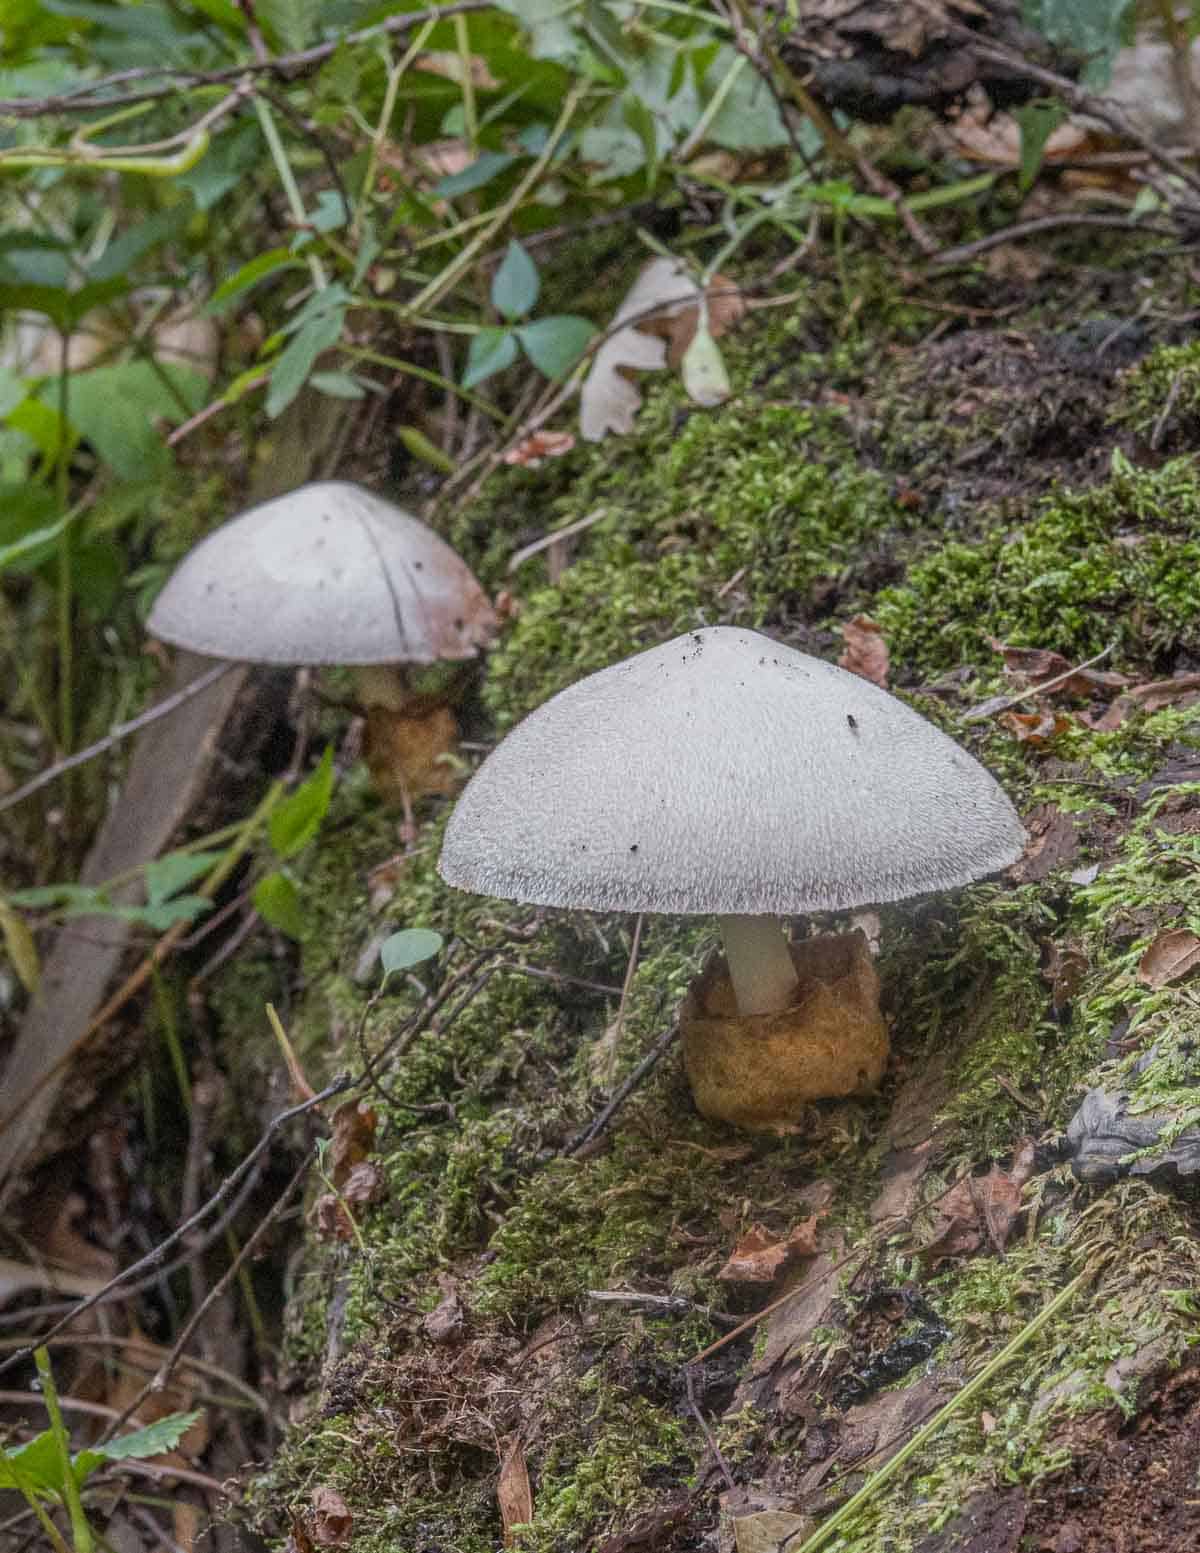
760,963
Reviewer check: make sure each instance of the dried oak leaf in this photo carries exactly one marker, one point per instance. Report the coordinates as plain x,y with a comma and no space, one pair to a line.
660,314
866,652
760,1256
513,1493
331,1519
1170,957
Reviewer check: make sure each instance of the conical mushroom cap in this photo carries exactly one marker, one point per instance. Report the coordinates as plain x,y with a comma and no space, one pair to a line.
723,772
327,574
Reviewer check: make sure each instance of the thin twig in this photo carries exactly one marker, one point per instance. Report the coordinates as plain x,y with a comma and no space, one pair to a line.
964,251
986,709
161,708
689,1372
158,1381
602,1118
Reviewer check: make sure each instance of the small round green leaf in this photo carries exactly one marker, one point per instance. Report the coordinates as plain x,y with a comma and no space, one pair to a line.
491,351
555,344
407,948
515,285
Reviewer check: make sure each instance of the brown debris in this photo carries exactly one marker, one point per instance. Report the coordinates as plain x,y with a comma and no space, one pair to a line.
866,652
902,1172
760,1256
1173,955
513,1493
650,1530
331,1520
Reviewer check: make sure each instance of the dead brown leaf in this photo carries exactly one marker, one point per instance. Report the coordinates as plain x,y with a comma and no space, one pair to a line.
444,1323
1170,957
331,1519
332,1218
513,1493
979,1205
1148,698
865,653
353,1138
364,1184
1034,727
449,63
1043,663
760,1256
534,450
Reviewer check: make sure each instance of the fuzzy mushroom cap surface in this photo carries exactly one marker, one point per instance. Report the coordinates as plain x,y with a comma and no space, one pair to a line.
326,574
725,773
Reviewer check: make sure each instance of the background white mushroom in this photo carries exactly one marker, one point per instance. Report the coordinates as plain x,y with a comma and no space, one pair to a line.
330,574
725,773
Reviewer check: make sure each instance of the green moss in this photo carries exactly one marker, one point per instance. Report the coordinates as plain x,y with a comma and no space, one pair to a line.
1161,391
1114,564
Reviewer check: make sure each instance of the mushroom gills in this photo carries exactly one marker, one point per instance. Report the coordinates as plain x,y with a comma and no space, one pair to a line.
760,964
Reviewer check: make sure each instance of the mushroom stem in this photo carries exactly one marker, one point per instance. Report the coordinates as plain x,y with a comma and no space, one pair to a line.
760,964
381,684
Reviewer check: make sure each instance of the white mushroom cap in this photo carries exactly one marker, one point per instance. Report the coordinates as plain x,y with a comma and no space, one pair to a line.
725,773
326,574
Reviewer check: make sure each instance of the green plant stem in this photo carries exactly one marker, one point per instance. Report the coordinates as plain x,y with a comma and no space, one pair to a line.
426,374
470,110
62,480
972,1389
453,272
53,1535
395,75
81,1532
284,168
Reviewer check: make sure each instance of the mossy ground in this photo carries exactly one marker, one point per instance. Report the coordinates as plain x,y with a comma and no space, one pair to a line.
790,509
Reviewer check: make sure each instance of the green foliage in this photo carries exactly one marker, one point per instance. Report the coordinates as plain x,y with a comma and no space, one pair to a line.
293,825
1094,29
45,1472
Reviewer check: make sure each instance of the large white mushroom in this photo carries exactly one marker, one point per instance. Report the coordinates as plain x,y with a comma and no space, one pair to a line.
328,574
724,773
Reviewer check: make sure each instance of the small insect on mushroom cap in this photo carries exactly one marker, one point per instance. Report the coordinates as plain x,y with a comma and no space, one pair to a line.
723,772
